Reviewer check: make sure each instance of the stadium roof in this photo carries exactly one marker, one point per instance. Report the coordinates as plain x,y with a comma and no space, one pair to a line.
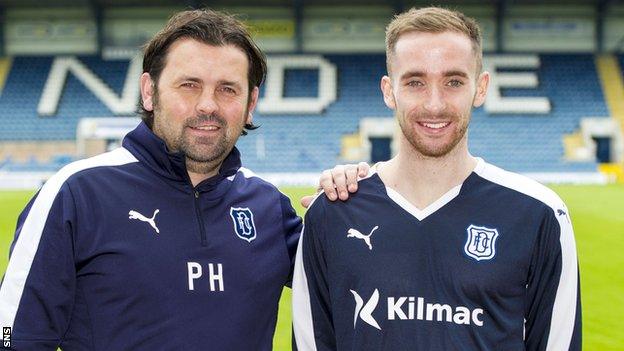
228,3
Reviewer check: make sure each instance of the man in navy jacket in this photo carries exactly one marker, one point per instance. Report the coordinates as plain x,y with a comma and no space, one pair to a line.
166,242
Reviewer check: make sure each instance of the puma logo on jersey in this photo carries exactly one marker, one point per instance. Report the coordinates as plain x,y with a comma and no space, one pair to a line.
152,221
354,233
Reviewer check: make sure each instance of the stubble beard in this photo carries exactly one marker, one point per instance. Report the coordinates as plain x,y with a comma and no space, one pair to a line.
202,154
424,148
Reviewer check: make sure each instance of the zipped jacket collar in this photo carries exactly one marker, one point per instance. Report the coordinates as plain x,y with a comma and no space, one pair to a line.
152,151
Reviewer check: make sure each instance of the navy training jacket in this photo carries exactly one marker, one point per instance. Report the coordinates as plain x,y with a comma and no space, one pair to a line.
121,252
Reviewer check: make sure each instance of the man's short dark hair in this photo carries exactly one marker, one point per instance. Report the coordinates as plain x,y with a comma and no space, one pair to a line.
209,27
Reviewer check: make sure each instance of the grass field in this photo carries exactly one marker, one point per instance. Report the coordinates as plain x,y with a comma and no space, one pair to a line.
598,217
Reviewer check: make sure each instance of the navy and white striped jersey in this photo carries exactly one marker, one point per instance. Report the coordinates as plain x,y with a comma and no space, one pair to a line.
489,266
121,252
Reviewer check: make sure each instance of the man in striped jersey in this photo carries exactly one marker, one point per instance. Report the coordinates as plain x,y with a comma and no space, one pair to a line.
166,243
438,250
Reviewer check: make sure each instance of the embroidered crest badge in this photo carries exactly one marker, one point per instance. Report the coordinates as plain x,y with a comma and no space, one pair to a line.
244,225
481,242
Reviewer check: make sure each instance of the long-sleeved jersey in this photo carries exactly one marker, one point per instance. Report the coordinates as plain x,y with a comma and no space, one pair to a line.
491,265
121,252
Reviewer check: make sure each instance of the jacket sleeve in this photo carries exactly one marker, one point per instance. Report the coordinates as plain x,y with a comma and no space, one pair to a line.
312,318
292,226
37,291
553,308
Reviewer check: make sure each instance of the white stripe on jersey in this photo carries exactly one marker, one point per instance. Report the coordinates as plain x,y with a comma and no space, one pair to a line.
246,172
28,242
303,327
564,308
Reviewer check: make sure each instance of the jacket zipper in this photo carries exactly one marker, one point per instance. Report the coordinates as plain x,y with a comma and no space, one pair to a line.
202,231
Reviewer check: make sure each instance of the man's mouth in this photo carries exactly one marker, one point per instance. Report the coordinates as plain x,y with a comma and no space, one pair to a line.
206,128
437,126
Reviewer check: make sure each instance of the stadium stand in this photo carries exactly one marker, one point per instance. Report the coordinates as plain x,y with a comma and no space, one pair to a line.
312,142
531,143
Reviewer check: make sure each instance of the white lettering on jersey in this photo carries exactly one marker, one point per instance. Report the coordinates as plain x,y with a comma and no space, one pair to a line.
431,311
215,278
415,308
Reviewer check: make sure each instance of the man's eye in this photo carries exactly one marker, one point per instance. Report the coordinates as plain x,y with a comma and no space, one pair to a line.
189,84
228,90
455,83
415,83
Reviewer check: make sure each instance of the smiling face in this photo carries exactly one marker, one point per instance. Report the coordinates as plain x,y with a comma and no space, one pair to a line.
432,87
202,101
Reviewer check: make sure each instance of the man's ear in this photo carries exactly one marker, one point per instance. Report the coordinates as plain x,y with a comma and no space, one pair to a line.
483,82
253,102
388,92
147,91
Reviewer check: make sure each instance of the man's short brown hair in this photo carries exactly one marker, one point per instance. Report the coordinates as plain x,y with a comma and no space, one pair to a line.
209,27
433,20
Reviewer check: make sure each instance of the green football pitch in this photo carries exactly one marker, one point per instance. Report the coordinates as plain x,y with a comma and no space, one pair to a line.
598,217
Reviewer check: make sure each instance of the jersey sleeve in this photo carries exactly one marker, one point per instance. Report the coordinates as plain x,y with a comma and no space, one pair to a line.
312,318
553,308
292,226
37,291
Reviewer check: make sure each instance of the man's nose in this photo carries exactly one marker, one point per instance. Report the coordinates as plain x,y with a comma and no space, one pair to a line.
435,101
207,103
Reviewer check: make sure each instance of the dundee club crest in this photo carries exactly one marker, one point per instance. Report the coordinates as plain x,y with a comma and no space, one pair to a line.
481,242
244,225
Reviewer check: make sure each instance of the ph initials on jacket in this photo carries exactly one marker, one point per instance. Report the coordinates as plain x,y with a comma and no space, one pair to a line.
215,276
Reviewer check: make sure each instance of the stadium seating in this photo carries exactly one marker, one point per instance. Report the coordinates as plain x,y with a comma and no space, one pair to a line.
533,143
525,143
311,142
